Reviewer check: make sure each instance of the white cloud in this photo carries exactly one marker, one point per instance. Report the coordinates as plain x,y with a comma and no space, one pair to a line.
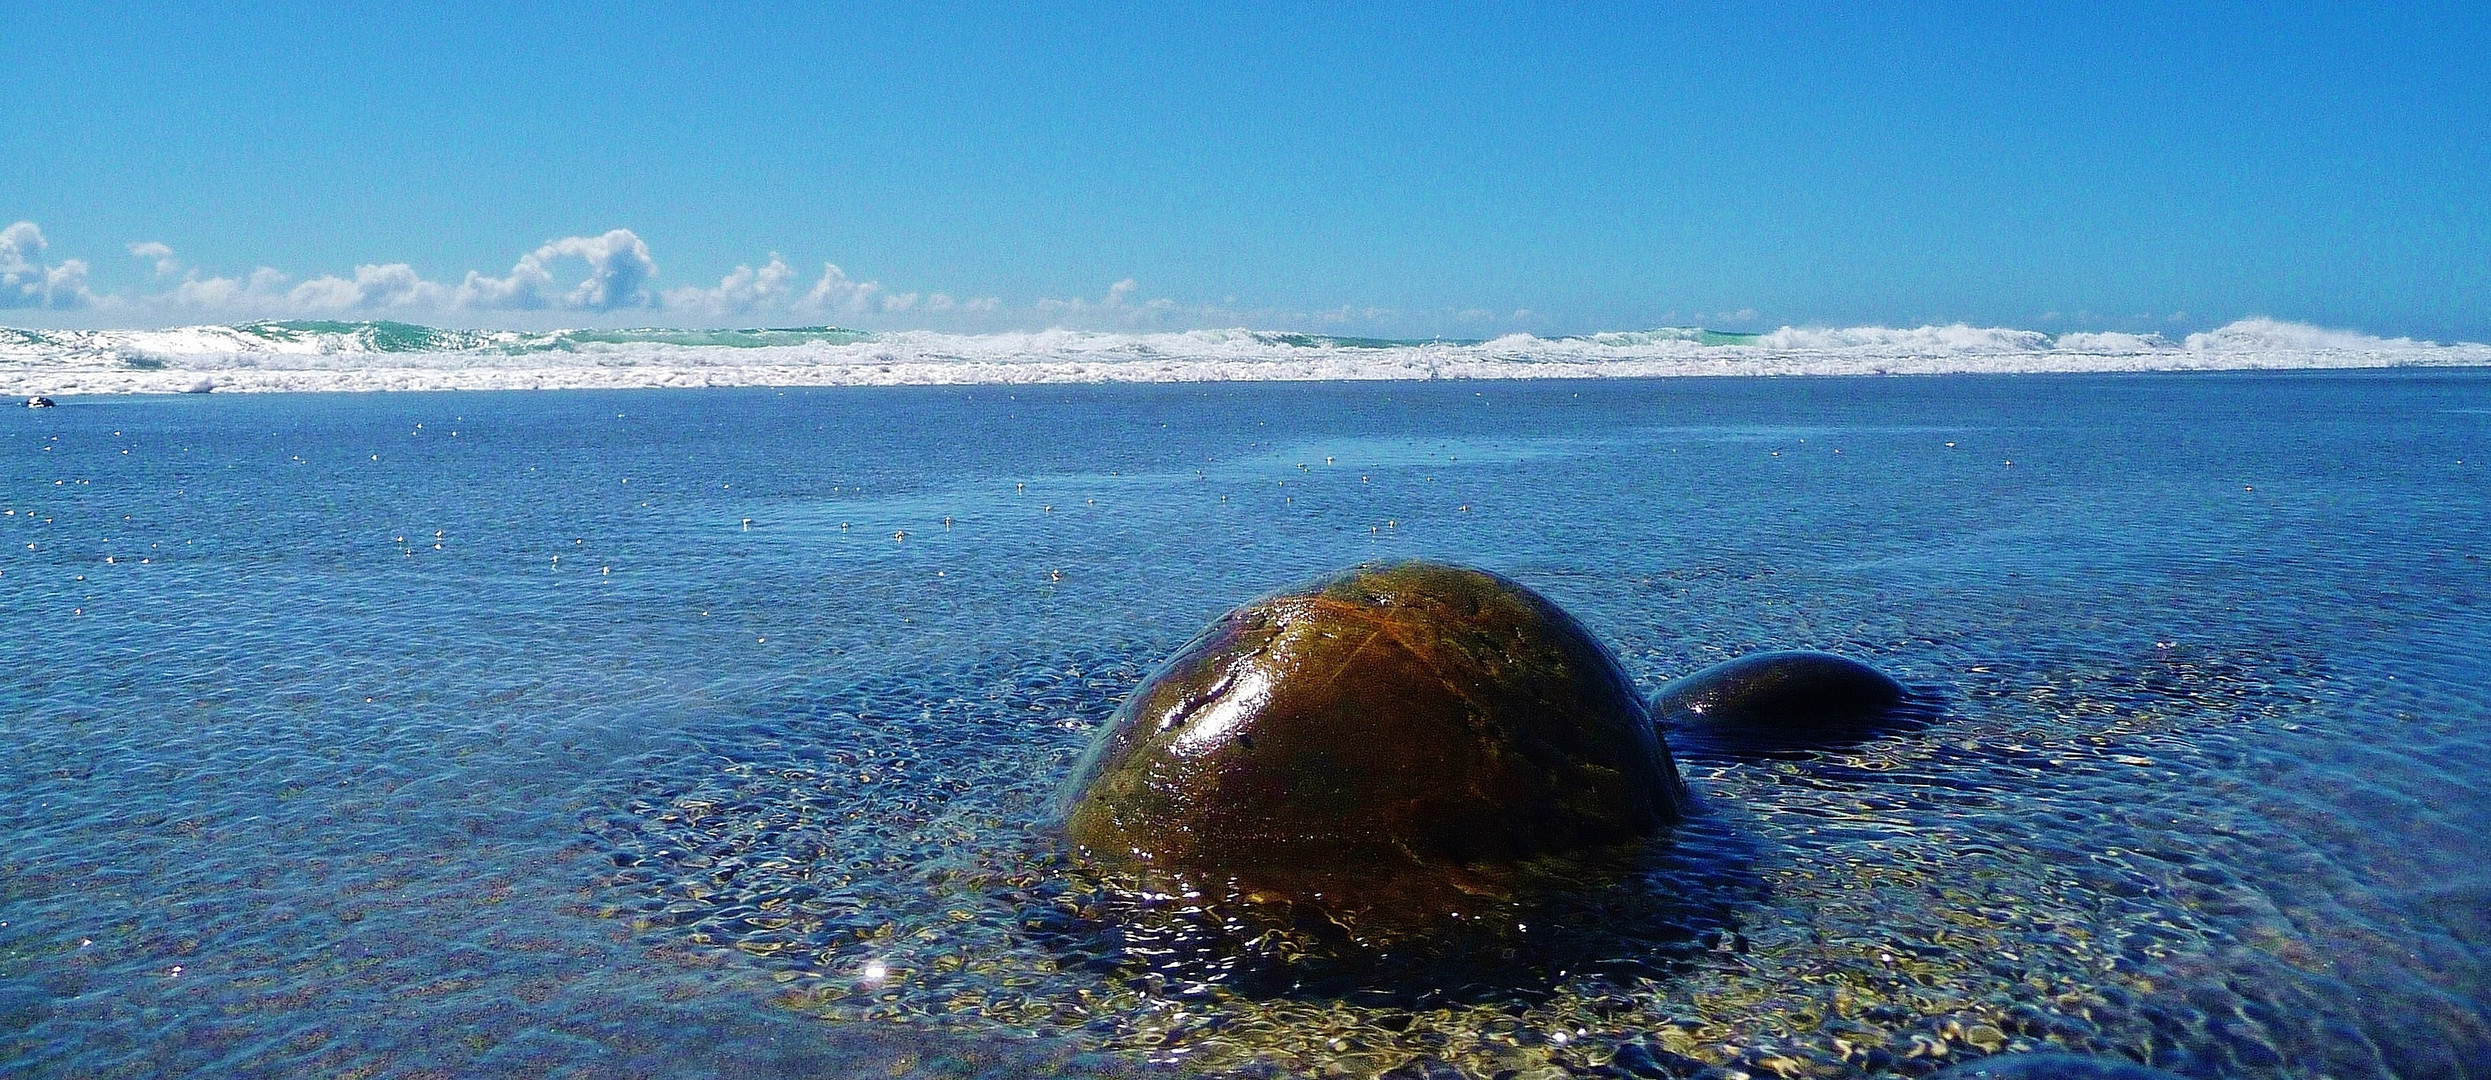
262,293
392,288
618,273
1116,308
570,277
942,303
26,281
619,269
160,253
836,292
65,285
745,291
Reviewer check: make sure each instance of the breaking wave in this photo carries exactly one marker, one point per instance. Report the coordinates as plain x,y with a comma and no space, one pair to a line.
335,356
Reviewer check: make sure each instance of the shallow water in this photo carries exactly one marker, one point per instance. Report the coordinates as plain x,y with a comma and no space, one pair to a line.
622,733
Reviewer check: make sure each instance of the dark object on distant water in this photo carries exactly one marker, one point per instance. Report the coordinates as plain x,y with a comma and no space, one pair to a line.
1779,700
40,402
1372,737
2051,1065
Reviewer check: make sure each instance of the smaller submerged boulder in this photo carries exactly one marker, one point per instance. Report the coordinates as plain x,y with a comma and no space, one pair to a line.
1777,700
1388,727
2051,1065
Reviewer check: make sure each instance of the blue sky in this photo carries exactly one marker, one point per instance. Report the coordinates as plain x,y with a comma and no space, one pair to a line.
1414,169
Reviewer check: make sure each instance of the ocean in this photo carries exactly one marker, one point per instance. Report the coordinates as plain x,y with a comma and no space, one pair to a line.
685,732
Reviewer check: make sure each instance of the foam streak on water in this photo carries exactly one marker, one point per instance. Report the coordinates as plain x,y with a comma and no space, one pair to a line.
697,733
327,356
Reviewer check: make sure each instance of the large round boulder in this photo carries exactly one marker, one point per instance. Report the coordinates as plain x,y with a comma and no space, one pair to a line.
1390,722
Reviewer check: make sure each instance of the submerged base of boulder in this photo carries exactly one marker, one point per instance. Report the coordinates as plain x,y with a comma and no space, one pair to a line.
1385,736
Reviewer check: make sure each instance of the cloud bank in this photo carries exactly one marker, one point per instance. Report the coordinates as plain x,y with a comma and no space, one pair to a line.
613,279
608,275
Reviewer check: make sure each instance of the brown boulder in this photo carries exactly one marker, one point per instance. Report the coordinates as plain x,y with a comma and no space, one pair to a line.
1388,724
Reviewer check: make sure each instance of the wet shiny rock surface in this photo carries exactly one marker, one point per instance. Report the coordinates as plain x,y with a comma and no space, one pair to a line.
1783,700
1387,729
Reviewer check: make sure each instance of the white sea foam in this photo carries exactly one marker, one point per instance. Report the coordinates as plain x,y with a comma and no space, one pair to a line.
394,356
1955,340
